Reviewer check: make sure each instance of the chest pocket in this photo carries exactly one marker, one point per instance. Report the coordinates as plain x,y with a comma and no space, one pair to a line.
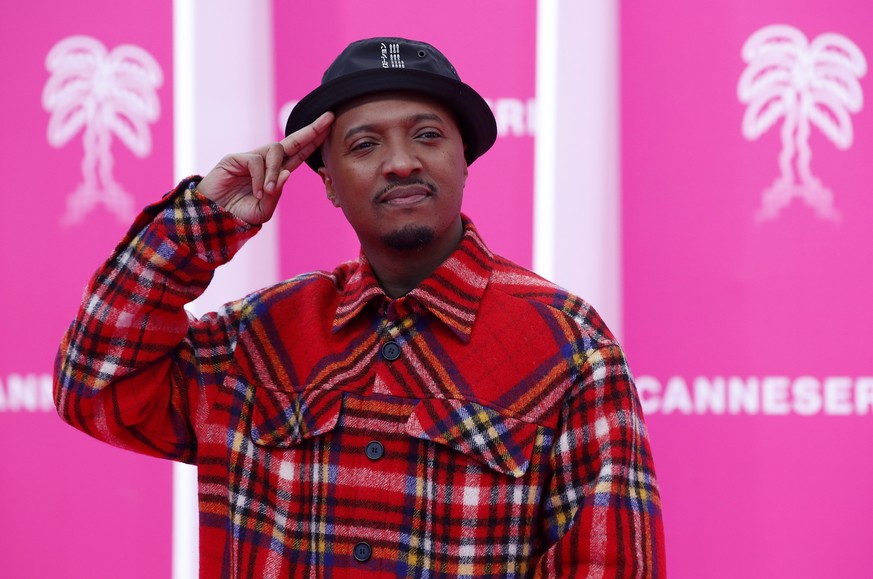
285,419
491,437
505,444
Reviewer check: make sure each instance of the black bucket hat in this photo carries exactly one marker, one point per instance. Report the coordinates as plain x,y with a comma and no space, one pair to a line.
376,65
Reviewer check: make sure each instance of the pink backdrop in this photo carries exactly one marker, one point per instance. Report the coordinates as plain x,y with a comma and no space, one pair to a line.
499,192
750,338
73,507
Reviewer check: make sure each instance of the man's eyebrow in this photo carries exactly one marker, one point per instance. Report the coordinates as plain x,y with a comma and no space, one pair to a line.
410,120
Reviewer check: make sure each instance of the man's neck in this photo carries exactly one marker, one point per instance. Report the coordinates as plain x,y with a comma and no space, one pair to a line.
399,271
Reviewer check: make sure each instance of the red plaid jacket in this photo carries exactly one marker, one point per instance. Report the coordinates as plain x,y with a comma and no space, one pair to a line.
483,425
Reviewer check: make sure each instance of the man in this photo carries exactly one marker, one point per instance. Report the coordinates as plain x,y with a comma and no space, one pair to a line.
429,410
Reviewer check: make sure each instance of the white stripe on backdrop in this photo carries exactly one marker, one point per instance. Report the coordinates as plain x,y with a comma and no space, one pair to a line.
577,190
210,39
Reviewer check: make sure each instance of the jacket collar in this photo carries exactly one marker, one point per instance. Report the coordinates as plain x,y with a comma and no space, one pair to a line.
452,293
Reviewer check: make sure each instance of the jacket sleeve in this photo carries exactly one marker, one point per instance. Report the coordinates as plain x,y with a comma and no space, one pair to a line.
603,508
134,369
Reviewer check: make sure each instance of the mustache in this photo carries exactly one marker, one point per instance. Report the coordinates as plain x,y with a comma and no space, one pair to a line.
429,185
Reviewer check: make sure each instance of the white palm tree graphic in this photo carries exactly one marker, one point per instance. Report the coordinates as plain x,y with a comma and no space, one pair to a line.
808,84
104,93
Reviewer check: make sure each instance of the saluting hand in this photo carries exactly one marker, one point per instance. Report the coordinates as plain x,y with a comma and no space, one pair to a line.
249,184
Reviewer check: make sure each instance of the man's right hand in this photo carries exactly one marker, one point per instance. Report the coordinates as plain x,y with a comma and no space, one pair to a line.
249,184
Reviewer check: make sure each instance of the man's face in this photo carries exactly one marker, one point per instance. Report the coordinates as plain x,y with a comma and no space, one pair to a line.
395,165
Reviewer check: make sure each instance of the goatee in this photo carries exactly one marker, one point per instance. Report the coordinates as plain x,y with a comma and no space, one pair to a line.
410,238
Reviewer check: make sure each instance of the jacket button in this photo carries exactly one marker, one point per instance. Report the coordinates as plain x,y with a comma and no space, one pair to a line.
390,351
374,450
363,552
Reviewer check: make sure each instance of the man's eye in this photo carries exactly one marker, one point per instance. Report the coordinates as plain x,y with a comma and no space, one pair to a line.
430,135
360,145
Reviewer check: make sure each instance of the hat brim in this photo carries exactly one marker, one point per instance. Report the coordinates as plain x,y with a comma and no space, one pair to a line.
474,116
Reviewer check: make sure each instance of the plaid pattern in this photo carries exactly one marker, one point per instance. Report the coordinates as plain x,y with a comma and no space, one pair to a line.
510,438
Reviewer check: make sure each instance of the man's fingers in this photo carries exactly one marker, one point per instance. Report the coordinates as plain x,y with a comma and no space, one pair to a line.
268,167
283,177
301,143
255,166
274,158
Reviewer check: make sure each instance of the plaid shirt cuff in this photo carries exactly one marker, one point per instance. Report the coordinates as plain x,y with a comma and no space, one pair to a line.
185,230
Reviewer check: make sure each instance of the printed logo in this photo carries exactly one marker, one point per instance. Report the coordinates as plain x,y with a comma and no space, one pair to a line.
394,53
103,94
804,84
384,54
390,55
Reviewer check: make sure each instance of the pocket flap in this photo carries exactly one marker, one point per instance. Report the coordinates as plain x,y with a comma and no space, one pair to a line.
284,419
500,441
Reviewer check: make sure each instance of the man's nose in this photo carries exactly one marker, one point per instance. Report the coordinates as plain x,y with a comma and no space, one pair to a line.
400,160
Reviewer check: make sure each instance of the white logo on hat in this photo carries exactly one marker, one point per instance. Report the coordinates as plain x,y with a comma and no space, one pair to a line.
101,93
806,83
394,52
390,54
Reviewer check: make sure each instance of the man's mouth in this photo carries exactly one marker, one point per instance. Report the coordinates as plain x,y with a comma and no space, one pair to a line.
405,194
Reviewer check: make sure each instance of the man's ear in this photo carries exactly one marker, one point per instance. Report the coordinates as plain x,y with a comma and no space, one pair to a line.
328,186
